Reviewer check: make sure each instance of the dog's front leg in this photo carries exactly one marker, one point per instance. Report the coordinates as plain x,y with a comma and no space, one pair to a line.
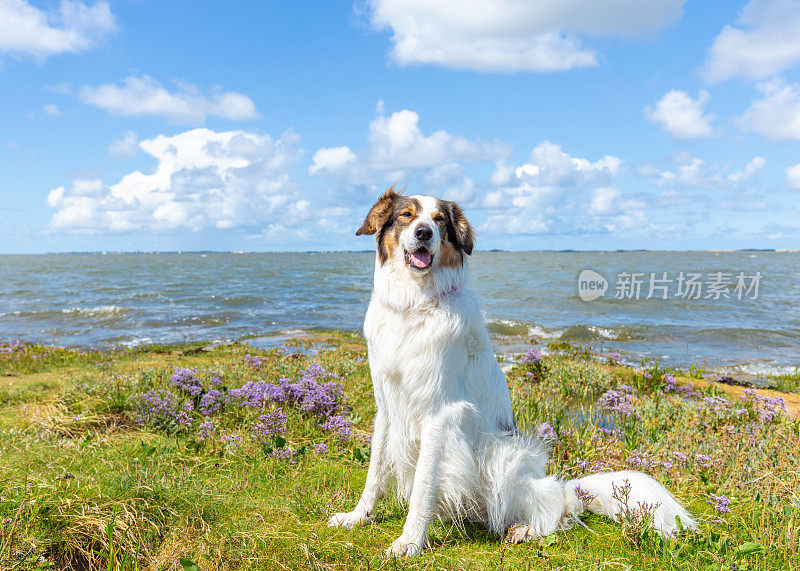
375,487
442,431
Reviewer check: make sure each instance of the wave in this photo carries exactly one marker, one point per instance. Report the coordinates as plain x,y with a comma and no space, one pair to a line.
100,310
759,369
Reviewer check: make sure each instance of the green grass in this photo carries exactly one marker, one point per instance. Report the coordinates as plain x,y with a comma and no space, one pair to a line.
83,486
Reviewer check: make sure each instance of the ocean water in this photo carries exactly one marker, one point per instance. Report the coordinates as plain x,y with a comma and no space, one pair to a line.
131,299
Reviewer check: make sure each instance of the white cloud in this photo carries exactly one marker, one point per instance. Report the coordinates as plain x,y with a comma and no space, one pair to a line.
693,172
557,193
399,150
512,35
793,177
398,143
681,116
776,115
127,146
144,96
202,179
332,160
750,169
548,164
764,42
74,27
52,110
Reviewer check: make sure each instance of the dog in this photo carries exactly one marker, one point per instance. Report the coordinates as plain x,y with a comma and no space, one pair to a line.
444,433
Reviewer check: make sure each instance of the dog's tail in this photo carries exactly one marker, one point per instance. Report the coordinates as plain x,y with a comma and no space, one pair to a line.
630,494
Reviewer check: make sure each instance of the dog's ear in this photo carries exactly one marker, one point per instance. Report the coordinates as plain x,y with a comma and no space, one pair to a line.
380,213
461,234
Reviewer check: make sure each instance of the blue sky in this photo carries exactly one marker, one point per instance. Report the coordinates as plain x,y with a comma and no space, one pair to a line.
143,125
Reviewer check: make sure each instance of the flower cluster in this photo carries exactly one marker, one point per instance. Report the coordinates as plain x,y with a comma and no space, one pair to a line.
13,346
211,402
157,408
201,402
768,408
721,503
584,496
531,357
339,426
307,394
253,360
619,401
268,426
186,381
546,432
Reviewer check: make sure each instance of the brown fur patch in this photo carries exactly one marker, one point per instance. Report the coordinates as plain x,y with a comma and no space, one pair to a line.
404,211
380,212
459,230
456,232
450,256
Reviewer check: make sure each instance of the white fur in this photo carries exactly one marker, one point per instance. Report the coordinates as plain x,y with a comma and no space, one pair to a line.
444,432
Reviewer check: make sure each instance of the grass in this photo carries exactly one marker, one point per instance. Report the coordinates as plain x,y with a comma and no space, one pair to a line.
85,483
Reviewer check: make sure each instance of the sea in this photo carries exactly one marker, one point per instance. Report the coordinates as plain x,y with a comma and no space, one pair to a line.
736,313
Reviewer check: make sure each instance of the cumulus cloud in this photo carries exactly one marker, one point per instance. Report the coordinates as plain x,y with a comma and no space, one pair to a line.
512,35
776,115
74,27
202,179
690,172
762,44
681,116
331,160
144,96
398,150
555,192
793,177
127,146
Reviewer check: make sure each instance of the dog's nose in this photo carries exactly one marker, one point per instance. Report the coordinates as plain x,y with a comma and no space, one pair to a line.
423,232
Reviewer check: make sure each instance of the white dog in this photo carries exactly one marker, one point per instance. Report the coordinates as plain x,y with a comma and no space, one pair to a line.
444,433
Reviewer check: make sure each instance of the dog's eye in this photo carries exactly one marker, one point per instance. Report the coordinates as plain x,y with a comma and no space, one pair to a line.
439,218
406,214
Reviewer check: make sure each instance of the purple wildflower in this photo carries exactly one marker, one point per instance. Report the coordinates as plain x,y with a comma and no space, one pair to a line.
281,453
641,460
338,425
253,360
531,357
681,457
232,442
185,379
320,448
546,432
618,401
268,425
721,503
612,432
210,402
703,461
14,346
584,496
205,430
157,407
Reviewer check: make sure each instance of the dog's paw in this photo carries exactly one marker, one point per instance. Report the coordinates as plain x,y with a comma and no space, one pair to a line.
402,547
520,533
347,519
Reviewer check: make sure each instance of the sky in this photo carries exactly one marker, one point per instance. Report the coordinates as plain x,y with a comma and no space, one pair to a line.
139,125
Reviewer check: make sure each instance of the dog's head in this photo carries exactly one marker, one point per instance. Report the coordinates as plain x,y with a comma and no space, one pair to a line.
422,232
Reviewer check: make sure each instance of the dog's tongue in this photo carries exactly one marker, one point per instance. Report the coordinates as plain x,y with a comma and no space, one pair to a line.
420,259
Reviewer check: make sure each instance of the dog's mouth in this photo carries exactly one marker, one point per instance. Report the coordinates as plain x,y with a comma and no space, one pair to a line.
419,260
